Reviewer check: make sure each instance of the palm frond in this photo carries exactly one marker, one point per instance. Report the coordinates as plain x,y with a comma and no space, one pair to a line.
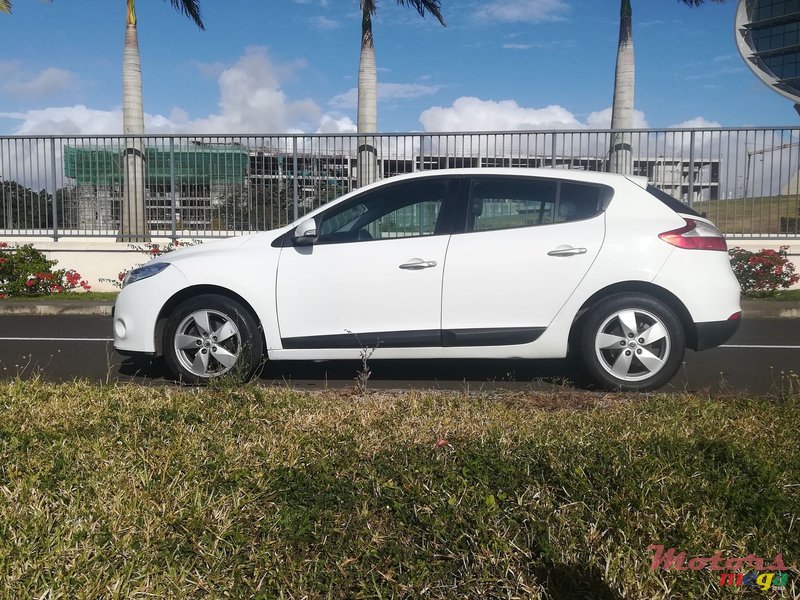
190,8
368,6
5,6
421,6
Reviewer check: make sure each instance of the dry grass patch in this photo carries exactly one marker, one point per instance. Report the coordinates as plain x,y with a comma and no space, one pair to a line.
251,492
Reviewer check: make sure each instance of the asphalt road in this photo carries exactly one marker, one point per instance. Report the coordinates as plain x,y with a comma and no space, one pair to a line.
61,348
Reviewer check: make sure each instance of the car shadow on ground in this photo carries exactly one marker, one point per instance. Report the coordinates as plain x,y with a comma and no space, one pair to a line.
445,374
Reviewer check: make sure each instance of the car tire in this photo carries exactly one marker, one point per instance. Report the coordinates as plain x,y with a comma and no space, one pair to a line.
631,342
212,336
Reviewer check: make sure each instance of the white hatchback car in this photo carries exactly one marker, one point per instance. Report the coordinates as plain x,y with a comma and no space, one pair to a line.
462,263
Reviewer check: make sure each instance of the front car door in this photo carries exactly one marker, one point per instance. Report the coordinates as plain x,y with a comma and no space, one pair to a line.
527,244
374,276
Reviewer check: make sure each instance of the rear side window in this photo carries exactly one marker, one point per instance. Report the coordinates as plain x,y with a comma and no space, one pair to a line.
673,203
511,202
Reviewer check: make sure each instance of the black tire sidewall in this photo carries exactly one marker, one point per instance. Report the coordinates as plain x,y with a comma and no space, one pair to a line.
252,345
590,326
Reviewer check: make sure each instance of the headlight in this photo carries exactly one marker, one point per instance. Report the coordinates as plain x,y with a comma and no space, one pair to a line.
143,272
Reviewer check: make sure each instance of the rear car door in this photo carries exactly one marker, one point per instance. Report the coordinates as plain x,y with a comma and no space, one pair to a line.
526,245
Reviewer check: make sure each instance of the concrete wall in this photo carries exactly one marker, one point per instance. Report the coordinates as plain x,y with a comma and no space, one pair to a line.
95,259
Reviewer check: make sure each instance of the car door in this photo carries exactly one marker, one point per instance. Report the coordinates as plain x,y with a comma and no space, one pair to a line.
526,246
374,275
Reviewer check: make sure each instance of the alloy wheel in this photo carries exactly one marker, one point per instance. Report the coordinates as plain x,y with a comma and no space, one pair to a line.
207,343
632,344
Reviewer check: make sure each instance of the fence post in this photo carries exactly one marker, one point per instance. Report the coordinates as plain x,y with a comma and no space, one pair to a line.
294,176
691,168
173,200
553,151
55,189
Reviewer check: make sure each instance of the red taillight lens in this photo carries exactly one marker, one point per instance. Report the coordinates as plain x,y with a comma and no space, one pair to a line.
696,235
735,316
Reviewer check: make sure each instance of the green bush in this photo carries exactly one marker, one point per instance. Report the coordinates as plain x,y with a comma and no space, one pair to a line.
25,271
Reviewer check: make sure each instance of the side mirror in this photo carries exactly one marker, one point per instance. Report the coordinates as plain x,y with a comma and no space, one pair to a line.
305,234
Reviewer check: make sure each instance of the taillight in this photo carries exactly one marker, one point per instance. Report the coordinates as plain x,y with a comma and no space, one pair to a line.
696,235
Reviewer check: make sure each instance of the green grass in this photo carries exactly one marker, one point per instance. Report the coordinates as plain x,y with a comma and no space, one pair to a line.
751,216
68,296
252,492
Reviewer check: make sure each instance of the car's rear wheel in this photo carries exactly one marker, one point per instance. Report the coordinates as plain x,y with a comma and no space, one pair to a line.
631,342
212,336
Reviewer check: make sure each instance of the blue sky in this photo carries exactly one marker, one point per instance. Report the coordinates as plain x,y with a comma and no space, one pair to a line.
269,66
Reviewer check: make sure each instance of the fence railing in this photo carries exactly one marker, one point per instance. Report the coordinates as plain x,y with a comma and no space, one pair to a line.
745,180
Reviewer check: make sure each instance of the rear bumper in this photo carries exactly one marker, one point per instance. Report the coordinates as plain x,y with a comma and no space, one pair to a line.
714,333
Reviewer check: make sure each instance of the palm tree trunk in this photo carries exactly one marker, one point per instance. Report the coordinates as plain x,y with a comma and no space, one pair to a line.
133,218
621,153
367,170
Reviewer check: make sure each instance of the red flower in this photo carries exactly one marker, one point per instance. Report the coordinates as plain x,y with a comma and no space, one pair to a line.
3,296
30,282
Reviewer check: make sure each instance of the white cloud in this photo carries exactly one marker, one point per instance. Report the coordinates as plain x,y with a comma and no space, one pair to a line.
601,119
47,82
329,124
251,101
67,120
474,114
522,11
696,123
324,23
209,70
552,45
386,91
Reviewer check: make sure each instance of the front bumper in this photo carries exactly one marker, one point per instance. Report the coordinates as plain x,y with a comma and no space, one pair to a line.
137,308
714,333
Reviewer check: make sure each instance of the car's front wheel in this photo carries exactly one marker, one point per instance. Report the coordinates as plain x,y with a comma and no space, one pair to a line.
210,336
631,342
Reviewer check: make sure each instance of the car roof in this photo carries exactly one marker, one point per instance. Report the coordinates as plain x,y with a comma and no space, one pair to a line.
572,174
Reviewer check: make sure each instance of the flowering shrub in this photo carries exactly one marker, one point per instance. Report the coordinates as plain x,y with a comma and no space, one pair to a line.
25,271
151,250
762,272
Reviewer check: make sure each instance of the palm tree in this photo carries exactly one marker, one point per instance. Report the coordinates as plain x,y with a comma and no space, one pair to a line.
368,83
133,222
5,6
621,153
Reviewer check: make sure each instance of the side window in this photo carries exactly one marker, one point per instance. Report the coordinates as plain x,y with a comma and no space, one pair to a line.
578,201
409,209
506,203
511,202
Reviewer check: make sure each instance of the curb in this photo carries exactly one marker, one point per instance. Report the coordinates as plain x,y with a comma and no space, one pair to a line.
770,309
751,309
54,309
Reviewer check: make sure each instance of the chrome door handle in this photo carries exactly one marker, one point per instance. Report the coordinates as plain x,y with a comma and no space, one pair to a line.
566,251
415,264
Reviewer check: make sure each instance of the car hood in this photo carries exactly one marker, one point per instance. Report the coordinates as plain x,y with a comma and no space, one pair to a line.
206,247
